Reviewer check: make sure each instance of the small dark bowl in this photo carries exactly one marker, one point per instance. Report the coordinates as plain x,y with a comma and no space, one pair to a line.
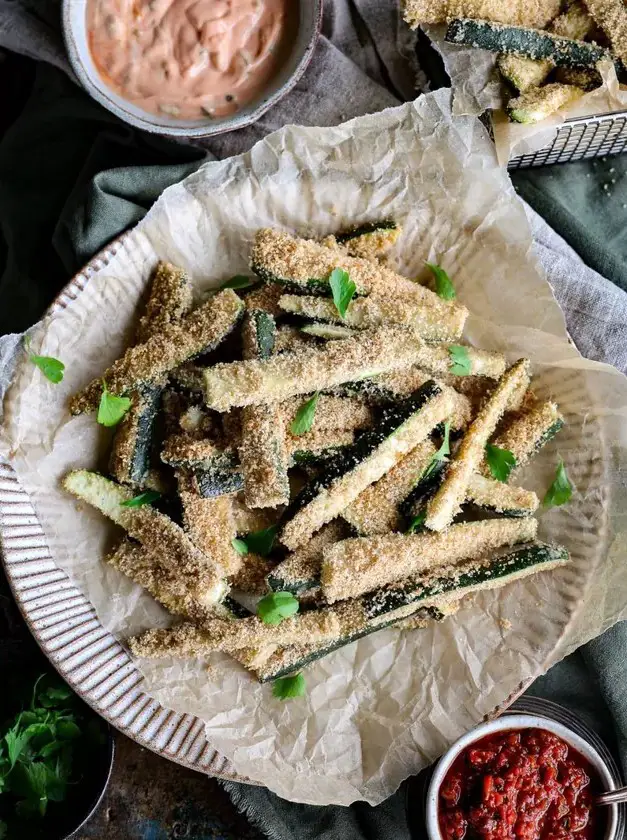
94,760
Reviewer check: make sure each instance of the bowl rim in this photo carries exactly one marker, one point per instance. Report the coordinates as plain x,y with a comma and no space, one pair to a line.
99,91
503,724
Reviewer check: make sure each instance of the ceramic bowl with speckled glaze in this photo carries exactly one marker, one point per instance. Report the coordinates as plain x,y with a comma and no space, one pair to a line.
300,54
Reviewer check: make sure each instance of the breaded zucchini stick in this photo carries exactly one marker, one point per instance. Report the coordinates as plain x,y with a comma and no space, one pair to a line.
159,535
170,300
256,382
188,640
342,413
451,494
376,509
611,16
200,331
364,313
305,266
353,567
519,12
300,571
526,432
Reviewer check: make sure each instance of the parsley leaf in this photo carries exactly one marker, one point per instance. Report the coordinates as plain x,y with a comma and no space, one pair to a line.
112,408
343,289
287,687
460,360
260,542
561,490
239,546
51,368
276,606
443,286
240,281
145,498
500,461
417,522
16,740
305,416
441,456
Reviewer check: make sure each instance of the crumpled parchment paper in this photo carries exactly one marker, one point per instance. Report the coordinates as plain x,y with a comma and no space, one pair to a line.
380,709
477,87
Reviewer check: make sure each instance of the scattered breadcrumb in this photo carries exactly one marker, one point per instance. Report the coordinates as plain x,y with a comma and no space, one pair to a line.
517,12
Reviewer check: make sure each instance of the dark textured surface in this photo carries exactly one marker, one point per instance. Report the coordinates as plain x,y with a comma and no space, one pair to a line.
148,798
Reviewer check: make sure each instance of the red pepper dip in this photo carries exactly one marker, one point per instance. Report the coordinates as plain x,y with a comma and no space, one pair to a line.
525,784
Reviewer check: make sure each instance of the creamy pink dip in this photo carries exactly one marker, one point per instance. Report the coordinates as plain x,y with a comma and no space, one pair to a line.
188,58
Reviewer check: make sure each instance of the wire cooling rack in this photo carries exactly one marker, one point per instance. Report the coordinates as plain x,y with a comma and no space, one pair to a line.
580,139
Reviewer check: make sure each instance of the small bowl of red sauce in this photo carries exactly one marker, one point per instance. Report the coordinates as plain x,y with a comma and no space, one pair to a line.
520,777
190,68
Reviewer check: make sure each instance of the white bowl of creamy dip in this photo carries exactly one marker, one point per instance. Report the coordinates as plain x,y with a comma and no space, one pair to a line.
190,68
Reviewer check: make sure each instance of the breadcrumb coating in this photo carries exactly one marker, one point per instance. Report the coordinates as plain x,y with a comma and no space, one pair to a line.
170,300
517,12
258,381
353,567
450,495
175,344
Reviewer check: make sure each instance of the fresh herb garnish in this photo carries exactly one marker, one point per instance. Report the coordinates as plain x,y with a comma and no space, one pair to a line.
287,687
259,542
303,421
145,498
443,285
240,281
112,408
417,522
561,490
441,455
460,360
276,606
51,368
37,753
239,546
343,289
500,461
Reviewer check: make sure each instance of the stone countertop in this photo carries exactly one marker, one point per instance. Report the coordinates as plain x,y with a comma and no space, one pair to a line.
148,797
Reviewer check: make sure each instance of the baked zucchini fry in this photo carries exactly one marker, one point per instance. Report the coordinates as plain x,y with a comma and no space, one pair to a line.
574,22
354,625
611,16
523,73
453,582
300,571
452,492
328,332
400,430
317,447
199,332
538,103
376,509
367,312
251,576
371,240
505,499
527,432
219,478
156,532
210,525
581,77
353,567
517,12
187,452
304,266
254,382
189,639
264,298
170,300
263,451
130,458
529,43
342,413
291,339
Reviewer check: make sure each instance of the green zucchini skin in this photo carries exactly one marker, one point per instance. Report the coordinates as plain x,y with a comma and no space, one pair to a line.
422,492
466,578
133,444
363,230
548,435
313,286
308,458
278,584
220,478
259,335
238,610
392,417
530,43
427,613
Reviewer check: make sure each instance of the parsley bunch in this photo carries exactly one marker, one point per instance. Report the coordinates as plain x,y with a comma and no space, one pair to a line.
37,754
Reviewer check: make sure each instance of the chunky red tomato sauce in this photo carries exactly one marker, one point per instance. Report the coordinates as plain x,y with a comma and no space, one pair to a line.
523,784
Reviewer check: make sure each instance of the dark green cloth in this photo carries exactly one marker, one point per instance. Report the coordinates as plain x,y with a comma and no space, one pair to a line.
72,178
